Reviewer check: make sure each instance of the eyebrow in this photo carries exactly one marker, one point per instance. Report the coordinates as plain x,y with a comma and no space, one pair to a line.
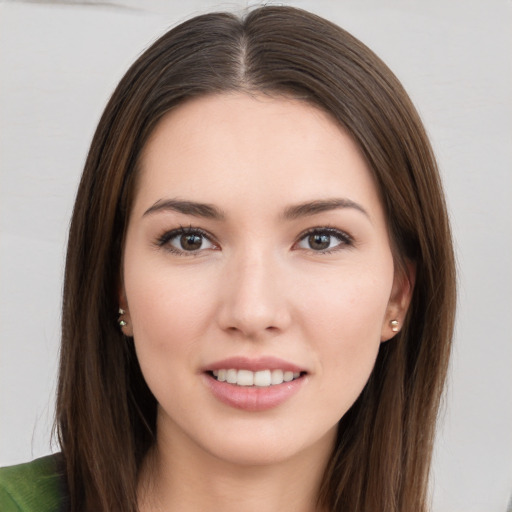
319,206
207,211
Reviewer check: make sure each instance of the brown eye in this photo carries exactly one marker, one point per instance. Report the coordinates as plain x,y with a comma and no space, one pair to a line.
324,240
185,240
191,242
319,242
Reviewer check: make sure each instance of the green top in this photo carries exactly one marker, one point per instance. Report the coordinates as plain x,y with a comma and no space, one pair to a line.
36,486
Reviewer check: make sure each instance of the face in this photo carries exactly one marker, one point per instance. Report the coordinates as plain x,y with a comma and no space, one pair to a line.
258,279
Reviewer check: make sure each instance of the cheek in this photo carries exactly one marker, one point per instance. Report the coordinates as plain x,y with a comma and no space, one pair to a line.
346,325
160,294
351,306
169,311
169,314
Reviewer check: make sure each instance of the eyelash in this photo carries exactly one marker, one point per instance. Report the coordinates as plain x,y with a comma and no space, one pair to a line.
165,238
345,240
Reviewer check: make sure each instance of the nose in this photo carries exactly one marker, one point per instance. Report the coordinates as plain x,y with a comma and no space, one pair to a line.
254,297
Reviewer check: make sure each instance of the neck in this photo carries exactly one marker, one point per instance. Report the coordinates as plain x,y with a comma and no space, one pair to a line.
178,475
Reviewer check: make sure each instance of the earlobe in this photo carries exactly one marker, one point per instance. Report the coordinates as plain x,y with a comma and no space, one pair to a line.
399,301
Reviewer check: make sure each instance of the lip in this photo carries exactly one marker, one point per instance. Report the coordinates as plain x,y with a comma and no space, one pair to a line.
253,398
258,364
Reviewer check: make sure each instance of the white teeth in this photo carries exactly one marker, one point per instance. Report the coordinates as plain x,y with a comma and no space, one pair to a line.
231,376
277,377
288,376
262,378
245,378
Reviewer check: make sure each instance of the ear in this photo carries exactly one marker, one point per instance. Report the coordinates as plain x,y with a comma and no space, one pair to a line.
124,319
399,300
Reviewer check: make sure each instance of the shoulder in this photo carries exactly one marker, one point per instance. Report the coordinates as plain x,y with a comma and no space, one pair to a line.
34,486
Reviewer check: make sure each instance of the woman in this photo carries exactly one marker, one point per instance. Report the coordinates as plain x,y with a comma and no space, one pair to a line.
259,289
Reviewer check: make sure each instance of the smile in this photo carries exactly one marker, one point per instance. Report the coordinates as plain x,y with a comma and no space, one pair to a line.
261,378
255,384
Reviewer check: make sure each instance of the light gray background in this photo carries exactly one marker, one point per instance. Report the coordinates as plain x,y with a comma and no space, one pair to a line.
59,62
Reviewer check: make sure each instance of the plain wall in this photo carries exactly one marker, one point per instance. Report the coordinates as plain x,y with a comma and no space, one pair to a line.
59,62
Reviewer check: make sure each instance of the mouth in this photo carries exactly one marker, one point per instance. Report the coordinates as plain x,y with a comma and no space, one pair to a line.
254,384
261,378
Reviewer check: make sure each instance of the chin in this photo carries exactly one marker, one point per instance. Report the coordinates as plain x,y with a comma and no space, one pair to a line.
263,447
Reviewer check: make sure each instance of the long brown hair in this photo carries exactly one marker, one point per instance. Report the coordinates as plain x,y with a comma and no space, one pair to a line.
106,414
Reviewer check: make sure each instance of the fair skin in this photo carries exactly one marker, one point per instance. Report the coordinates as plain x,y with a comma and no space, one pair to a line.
256,242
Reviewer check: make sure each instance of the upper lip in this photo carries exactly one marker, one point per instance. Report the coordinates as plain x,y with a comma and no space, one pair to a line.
256,364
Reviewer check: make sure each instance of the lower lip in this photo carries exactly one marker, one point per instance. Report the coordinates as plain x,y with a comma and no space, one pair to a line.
253,398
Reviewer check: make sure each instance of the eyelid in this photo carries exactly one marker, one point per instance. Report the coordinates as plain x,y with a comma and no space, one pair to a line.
345,239
163,240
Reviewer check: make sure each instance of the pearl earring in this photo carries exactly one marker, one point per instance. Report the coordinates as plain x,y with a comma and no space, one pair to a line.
121,322
394,325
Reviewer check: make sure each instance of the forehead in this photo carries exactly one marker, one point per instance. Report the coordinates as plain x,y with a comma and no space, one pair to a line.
227,146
